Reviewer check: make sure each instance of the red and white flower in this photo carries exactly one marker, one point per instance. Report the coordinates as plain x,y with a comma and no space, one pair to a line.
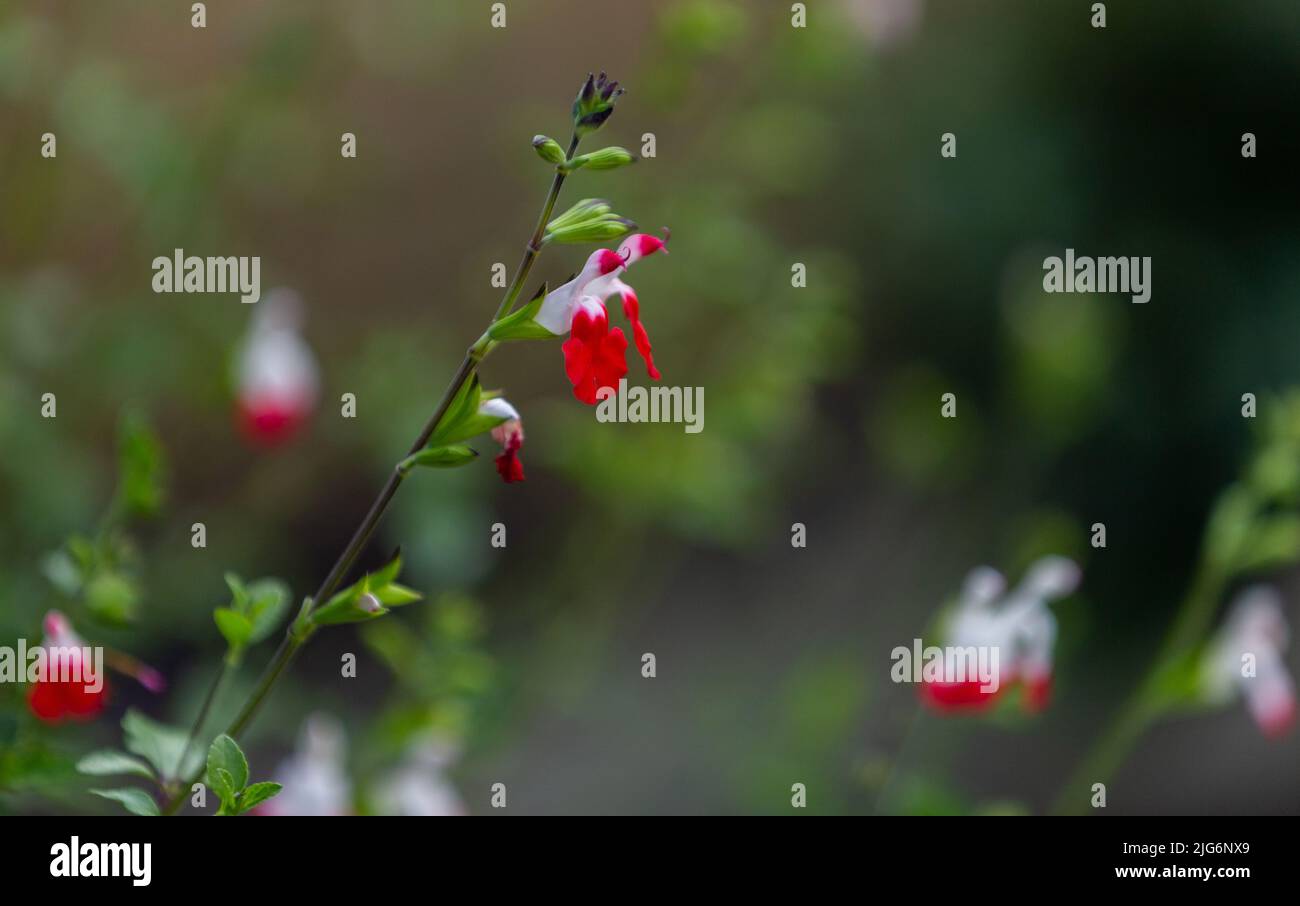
509,434
595,355
72,683
1019,626
1248,657
66,687
276,372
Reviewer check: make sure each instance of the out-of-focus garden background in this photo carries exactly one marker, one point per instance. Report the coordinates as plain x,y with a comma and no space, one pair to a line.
775,146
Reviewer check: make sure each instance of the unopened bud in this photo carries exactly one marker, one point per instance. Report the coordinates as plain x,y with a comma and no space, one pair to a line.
548,149
594,103
601,229
604,159
587,209
369,603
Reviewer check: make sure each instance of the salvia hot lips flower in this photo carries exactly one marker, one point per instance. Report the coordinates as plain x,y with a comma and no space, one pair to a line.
595,356
276,372
1019,628
70,680
1247,657
509,434
69,683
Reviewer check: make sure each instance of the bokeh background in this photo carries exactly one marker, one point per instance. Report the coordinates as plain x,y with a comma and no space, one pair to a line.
775,145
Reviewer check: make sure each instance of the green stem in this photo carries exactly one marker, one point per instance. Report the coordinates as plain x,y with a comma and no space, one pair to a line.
202,718
1145,703
295,638
534,246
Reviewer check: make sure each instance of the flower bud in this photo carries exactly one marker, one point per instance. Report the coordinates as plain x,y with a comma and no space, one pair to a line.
602,229
586,209
548,149
369,603
605,159
594,103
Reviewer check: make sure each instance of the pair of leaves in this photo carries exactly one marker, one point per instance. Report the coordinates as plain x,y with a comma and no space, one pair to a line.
255,610
227,776
159,748
520,324
367,599
460,422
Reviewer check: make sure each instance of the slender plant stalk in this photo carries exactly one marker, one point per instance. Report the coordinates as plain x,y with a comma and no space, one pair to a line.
294,639
217,682
1144,704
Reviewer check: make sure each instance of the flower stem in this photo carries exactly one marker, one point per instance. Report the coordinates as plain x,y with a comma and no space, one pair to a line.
1146,702
208,699
534,247
295,637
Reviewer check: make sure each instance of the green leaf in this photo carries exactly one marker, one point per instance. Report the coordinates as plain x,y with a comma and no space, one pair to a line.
225,755
463,405
386,573
137,802
257,793
235,627
108,762
140,467
439,458
160,745
224,786
394,595
268,602
346,611
519,324
238,593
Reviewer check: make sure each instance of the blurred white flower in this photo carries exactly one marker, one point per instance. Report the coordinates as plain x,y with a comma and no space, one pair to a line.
1021,628
419,787
885,23
276,372
315,782
1247,656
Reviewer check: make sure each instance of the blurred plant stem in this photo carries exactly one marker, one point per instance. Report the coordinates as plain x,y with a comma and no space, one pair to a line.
1149,699
295,636
213,690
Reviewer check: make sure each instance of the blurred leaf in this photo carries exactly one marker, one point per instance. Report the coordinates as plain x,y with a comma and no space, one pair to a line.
137,802
108,762
140,467
235,627
160,745
113,598
62,571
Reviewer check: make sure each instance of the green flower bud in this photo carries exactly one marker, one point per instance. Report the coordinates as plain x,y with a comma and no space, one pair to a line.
548,149
586,209
602,229
594,103
605,159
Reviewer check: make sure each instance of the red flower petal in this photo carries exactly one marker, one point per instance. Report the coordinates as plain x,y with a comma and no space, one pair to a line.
632,310
594,355
957,697
509,466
